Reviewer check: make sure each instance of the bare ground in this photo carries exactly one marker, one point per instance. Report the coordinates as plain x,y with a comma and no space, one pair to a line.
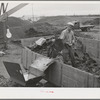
13,54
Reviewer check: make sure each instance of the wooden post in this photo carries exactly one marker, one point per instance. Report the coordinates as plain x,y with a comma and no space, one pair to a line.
2,35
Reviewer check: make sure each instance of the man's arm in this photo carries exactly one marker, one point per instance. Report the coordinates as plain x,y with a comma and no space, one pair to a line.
73,38
62,36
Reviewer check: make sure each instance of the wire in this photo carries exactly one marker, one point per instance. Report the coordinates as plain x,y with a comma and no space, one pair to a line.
32,13
6,20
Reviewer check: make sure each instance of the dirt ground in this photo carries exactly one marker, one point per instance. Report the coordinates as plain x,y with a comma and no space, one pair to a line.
13,54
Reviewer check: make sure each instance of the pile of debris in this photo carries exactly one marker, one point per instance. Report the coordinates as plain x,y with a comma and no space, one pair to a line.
4,82
95,21
41,46
46,29
40,29
82,59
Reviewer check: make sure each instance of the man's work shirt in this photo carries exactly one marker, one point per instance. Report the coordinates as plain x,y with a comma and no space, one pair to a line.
67,37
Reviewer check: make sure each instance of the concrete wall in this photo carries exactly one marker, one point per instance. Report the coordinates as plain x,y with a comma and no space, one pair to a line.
61,74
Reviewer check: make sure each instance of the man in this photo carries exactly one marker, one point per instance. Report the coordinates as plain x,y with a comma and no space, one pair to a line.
68,39
67,35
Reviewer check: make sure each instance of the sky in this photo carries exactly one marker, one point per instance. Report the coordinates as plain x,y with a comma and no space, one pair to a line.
56,8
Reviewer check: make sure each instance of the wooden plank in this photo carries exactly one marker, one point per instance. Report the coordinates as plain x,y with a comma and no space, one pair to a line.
90,81
54,73
68,70
35,71
33,56
81,77
24,58
96,81
26,52
68,82
2,35
40,65
29,58
75,74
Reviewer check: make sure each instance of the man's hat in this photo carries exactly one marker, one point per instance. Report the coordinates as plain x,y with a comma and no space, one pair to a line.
70,24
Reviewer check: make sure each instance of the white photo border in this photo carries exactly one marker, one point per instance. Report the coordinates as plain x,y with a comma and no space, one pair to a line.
44,93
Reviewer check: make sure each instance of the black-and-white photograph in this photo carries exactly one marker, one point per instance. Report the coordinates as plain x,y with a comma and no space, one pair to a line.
50,44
